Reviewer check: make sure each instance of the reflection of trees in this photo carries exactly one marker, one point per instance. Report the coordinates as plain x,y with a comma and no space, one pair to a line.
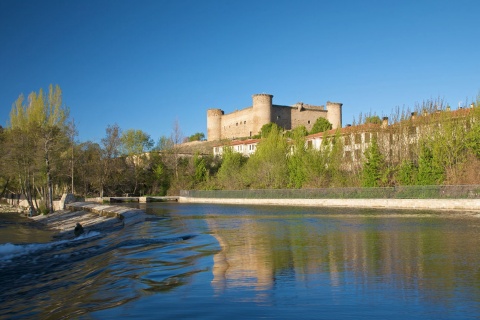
424,254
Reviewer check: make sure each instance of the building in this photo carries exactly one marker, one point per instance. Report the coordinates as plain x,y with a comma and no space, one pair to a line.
245,147
397,141
247,122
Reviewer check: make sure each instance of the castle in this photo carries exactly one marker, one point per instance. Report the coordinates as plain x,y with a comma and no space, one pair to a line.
248,122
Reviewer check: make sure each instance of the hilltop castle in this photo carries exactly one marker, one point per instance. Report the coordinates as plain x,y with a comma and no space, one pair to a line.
248,122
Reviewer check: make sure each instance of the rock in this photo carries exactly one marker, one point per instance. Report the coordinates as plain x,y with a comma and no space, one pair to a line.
78,229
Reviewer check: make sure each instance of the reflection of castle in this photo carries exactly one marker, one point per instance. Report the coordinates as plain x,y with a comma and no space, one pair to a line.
257,254
249,121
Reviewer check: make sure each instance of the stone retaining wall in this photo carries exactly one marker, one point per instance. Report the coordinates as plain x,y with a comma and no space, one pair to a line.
424,204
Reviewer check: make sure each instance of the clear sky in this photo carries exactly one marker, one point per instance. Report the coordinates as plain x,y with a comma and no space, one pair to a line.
145,64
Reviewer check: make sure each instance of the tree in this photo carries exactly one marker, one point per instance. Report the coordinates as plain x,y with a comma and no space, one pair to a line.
321,125
199,136
41,125
135,142
373,120
267,167
267,128
229,173
89,169
407,173
430,171
373,166
298,158
111,146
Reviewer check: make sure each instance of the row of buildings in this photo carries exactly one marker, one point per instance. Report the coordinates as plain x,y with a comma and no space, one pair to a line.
397,139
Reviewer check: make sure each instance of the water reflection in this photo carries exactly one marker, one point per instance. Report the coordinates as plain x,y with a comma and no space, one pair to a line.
417,257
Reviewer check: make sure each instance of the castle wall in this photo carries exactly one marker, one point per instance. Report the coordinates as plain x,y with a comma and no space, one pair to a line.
282,116
248,122
238,124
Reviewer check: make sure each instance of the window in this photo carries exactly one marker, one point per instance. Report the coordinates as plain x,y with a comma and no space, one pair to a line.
358,138
348,155
308,121
358,154
367,137
347,140
309,144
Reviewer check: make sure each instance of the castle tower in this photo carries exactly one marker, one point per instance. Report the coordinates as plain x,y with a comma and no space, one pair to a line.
334,114
262,111
214,124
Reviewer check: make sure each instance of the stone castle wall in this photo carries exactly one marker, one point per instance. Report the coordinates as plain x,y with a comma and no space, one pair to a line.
248,122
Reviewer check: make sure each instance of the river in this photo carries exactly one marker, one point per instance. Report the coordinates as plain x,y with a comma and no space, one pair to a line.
247,262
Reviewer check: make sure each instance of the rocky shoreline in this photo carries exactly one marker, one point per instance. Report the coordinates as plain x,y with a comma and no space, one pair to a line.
4,208
90,216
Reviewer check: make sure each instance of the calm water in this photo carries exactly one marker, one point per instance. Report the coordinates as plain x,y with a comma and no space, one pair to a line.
213,262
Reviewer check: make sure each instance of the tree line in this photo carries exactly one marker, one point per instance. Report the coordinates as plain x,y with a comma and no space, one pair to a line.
42,159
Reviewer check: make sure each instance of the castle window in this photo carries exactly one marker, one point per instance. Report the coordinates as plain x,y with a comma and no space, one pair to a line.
308,121
244,122
278,117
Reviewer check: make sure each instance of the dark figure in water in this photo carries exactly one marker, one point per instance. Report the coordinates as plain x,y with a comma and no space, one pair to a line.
78,229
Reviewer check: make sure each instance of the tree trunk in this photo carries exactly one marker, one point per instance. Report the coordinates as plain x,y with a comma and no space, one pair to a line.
4,188
49,181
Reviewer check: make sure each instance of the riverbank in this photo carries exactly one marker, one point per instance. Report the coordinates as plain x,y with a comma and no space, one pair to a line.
6,208
91,216
409,204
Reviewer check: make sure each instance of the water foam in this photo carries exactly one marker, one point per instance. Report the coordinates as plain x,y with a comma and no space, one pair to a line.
9,251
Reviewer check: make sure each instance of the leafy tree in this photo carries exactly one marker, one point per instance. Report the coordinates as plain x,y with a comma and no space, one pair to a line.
269,127
267,167
89,168
111,149
373,120
135,142
430,171
298,158
41,126
321,125
199,136
164,144
200,168
300,131
229,173
473,140
373,166
407,173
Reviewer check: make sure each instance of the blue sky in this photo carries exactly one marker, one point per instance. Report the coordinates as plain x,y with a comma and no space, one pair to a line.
145,64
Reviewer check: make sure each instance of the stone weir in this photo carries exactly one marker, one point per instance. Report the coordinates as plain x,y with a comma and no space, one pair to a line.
91,217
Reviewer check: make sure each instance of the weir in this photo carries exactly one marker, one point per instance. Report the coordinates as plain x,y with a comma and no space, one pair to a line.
134,199
92,217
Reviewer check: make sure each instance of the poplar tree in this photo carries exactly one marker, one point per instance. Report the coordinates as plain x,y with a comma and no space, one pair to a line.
38,129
